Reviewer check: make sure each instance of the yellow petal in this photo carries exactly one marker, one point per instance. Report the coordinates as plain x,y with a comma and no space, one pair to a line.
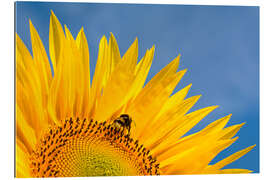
234,171
84,51
167,71
61,94
175,100
131,56
141,71
231,158
77,75
168,125
31,98
56,39
213,128
113,54
218,124
116,90
172,146
148,102
57,100
41,60
23,54
193,118
100,74
69,87
22,161
82,44
229,132
24,132
159,88
188,162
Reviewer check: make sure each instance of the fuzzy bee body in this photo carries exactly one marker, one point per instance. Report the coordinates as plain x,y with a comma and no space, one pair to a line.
123,123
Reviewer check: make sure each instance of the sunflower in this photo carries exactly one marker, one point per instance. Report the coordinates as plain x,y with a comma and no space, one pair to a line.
114,126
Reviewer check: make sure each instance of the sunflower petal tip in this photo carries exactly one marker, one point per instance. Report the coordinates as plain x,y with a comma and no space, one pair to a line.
198,96
185,70
136,42
112,35
242,124
188,87
103,38
81,32
32,27
30,22
82,29
53,17
153,48
175,62
178,57
66,28
249,148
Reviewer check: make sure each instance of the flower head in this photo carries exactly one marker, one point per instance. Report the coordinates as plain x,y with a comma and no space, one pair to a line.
116,125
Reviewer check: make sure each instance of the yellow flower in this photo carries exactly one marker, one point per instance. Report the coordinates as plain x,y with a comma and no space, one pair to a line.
67,126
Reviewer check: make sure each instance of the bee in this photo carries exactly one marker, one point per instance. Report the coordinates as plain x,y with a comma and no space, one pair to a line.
123,122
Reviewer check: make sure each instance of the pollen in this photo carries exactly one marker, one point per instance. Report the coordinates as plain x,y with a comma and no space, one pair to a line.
83,147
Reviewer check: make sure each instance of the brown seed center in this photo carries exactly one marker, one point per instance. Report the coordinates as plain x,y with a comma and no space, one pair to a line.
87,148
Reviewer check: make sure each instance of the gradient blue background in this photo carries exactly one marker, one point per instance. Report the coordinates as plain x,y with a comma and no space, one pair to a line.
219,46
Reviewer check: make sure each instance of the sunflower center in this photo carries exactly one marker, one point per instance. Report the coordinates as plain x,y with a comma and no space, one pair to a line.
88,148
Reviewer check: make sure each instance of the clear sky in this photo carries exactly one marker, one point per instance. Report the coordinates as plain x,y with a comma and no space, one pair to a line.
219,47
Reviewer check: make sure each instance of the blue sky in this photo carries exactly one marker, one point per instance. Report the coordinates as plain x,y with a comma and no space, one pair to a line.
219,47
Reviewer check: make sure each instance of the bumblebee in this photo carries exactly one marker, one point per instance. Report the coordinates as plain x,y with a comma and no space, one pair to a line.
123,123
